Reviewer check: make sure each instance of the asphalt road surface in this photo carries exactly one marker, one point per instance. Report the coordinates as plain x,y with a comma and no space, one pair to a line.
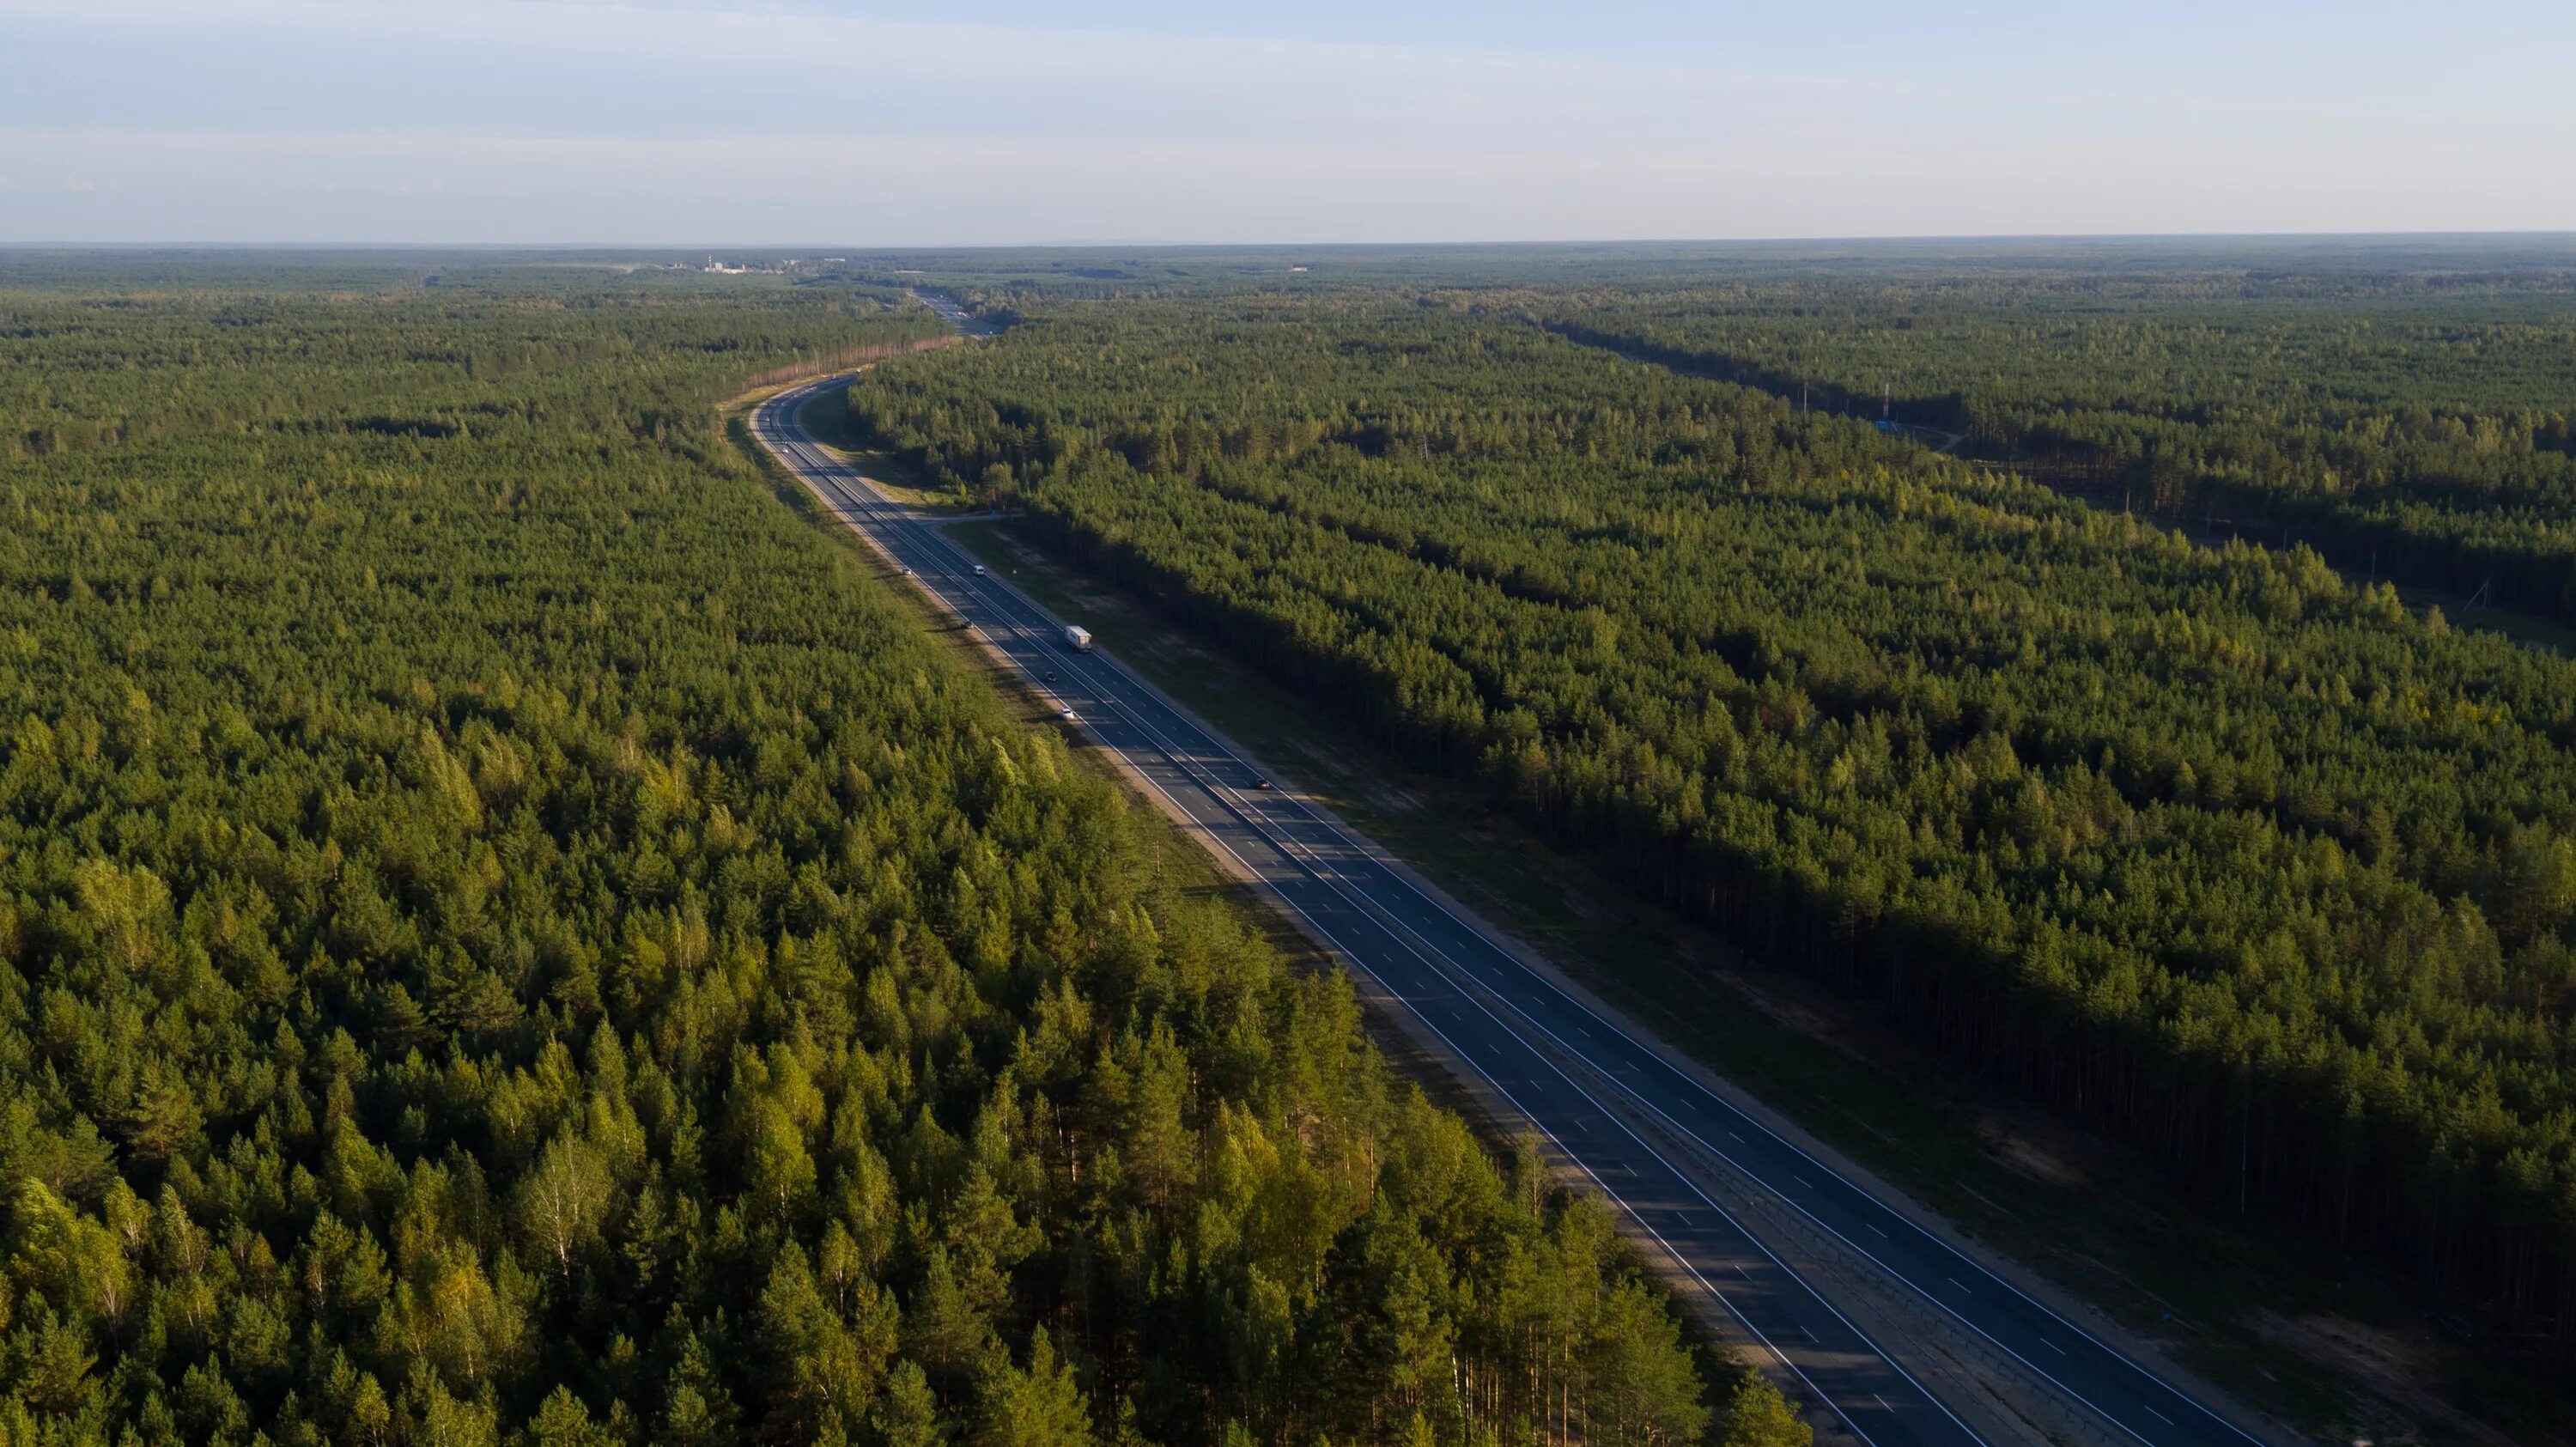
946,307
1613,1104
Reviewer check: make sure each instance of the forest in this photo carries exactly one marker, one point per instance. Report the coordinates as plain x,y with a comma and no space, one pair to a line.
2409,426
2233,855
509,934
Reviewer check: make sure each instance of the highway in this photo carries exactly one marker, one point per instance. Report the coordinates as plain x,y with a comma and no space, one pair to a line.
946,308
1647,1132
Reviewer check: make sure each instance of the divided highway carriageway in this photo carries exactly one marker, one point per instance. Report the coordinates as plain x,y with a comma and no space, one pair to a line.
1737,1208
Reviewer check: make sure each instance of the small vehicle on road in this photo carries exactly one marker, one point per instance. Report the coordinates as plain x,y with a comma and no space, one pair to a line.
979,570
1050,675
1068,716
1261,783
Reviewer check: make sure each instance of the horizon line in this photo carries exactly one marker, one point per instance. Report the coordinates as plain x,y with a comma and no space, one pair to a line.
1886,238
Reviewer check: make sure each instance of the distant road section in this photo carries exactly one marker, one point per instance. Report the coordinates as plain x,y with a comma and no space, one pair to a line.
1930,1348
952,312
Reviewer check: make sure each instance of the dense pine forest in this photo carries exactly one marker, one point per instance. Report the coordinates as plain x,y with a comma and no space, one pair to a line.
2241,859
2416,426
508,934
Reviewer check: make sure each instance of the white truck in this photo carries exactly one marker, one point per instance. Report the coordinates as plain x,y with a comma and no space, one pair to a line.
1077,638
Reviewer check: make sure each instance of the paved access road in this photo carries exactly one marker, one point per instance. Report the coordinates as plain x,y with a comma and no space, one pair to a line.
1580,1080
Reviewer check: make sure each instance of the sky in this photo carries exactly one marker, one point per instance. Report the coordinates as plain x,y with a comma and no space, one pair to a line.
1004,122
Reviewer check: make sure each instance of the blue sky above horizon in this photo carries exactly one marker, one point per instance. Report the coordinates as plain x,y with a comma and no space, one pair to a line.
1004,121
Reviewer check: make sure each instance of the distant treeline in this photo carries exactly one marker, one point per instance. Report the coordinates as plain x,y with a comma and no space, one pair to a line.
2420,430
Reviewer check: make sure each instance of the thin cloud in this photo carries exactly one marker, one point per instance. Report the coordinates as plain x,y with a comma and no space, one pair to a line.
584,121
